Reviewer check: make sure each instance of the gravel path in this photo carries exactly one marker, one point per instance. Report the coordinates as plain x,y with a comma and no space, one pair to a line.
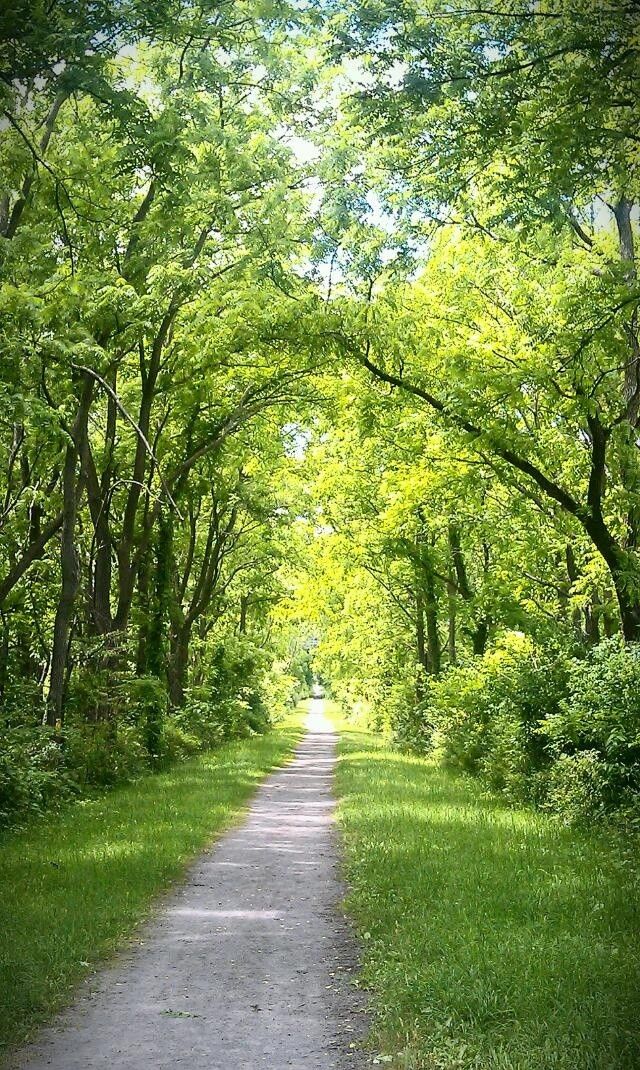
248,964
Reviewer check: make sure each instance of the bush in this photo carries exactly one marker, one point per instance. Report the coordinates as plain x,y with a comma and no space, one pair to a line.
177,742
488,714
409,718
105,754
146,702
541,727
243,691
594,736
200,719
575,787
33,777
42,768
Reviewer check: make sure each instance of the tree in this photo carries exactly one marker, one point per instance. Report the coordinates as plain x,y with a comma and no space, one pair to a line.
518,128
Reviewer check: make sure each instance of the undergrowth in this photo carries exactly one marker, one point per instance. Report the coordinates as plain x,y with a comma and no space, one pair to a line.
494,939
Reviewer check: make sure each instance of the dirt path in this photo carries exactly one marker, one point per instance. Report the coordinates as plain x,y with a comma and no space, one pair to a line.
248,964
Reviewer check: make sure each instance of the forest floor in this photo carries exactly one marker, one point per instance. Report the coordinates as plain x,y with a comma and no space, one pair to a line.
494,939
248,962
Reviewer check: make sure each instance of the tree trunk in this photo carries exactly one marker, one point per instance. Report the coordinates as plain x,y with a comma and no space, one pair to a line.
244,606
624,574
623,215
144,606
629,610
421,645
4,654
156,646
480,636
480,630
69,566
592,621
451,598
178,665
431,619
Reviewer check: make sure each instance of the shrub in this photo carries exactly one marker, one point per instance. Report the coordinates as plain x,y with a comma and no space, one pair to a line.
541,727
146,702
243,693
594,736
176,742
457,702
409,718
41,768
575,786
200,719
488,714
33,777
101,755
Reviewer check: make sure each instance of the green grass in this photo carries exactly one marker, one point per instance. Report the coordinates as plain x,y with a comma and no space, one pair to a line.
493,939
73,888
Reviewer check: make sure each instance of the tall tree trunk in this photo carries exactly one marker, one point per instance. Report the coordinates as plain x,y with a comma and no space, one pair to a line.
427,600
592,621
624,574
480,630
4,654
431,618
451,602
144,605
421,645
156,650
572,575
480,636
178,665
244,607
69,566
623,211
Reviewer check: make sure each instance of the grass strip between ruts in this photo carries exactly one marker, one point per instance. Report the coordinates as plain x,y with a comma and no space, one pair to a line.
493,939
74,887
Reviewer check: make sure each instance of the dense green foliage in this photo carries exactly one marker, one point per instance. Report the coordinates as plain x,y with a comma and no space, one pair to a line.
147,203
74,889
320,332
540,727
492,938
320,354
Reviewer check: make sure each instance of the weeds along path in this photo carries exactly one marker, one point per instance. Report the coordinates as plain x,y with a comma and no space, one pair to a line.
248,964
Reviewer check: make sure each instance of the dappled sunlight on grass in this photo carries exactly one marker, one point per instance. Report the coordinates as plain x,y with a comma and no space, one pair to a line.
494,938
74,886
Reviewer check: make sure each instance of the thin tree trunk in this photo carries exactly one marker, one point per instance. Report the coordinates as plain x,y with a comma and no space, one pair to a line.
480,630
178,666
244,607
431,619
69,565
451,601
144,581
619,566
421,644
156,645
480,636
4,655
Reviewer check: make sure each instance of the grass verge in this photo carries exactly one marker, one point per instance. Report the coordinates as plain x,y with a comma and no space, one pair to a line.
73,888
493,939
